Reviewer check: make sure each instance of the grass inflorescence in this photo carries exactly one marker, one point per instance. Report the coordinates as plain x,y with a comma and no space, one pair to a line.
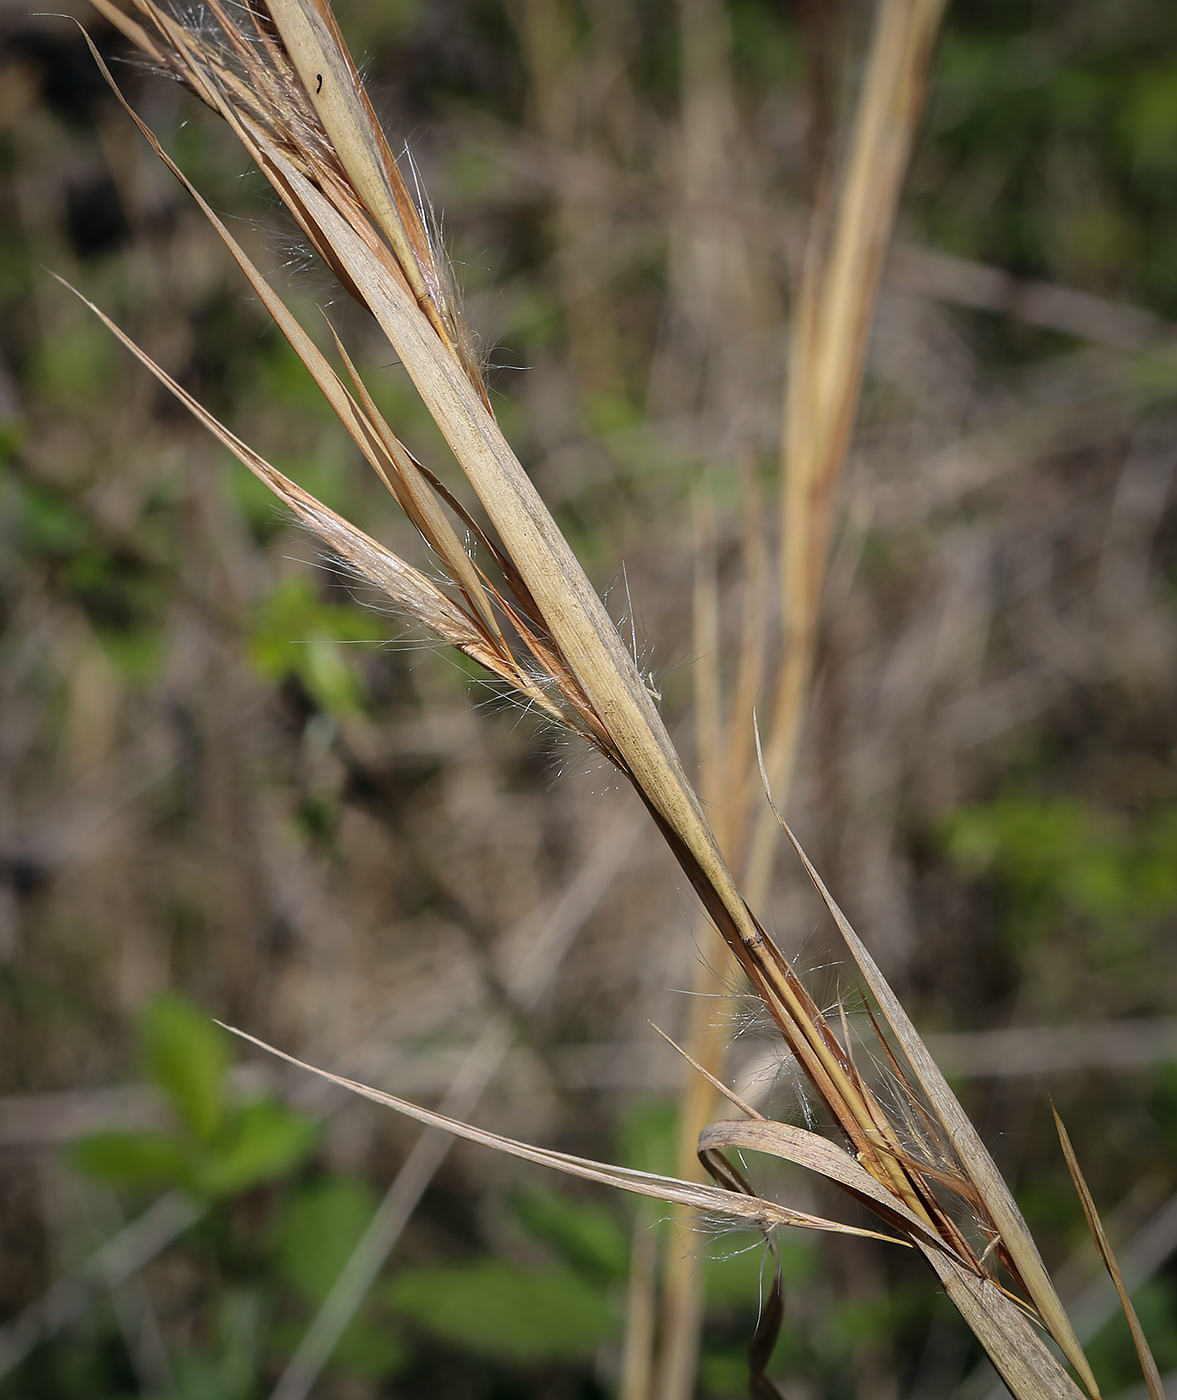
501,584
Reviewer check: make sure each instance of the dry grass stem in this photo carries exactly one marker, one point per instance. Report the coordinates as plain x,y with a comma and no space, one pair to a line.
835,302
1148,1364
281,76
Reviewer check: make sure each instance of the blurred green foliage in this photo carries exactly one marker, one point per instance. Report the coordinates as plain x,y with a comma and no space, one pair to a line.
1056,160
501,1310
116,584
316,1232
1081,889
217,1147
1063,853
590,1237
226,1367
297,633
1084,885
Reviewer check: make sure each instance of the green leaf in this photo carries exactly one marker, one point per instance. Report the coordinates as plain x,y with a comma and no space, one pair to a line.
261,1141
370,1350
498,1310
318,1231
297,633
228,1370
131,1159
188,1057
648,1136
589,1238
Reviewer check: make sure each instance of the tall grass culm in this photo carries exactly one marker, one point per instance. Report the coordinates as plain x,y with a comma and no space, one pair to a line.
513,597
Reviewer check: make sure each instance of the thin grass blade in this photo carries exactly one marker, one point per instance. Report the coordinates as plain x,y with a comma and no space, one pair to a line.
757,1211
1011,1341
994,1195
329,74
820,1155
388,457
1148,1364
407,587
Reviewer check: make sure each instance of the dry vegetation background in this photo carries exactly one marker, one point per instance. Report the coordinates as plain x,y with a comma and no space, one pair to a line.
221,774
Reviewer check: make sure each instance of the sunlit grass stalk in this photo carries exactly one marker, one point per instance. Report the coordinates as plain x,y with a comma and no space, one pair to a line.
280,74
712,288
832,314
682,1302
833,307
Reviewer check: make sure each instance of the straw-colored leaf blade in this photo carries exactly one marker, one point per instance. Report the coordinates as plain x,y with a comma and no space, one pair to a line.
716,1083
572,611
328,73
1148,1364
1014,1345
705,674
1016,1240
994,1195
308,352
128,28
820,1155
755,1210
407,587
754,643
1016,1349
420,503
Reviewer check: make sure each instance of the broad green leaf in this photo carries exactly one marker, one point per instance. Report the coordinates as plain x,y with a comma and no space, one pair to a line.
512,1314
262,1141
318,1231
131,1159
188,1057
589,1237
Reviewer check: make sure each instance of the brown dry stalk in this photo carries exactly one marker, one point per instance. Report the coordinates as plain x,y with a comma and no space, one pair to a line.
280,75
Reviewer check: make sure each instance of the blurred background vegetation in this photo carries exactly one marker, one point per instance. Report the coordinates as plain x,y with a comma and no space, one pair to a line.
228,787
